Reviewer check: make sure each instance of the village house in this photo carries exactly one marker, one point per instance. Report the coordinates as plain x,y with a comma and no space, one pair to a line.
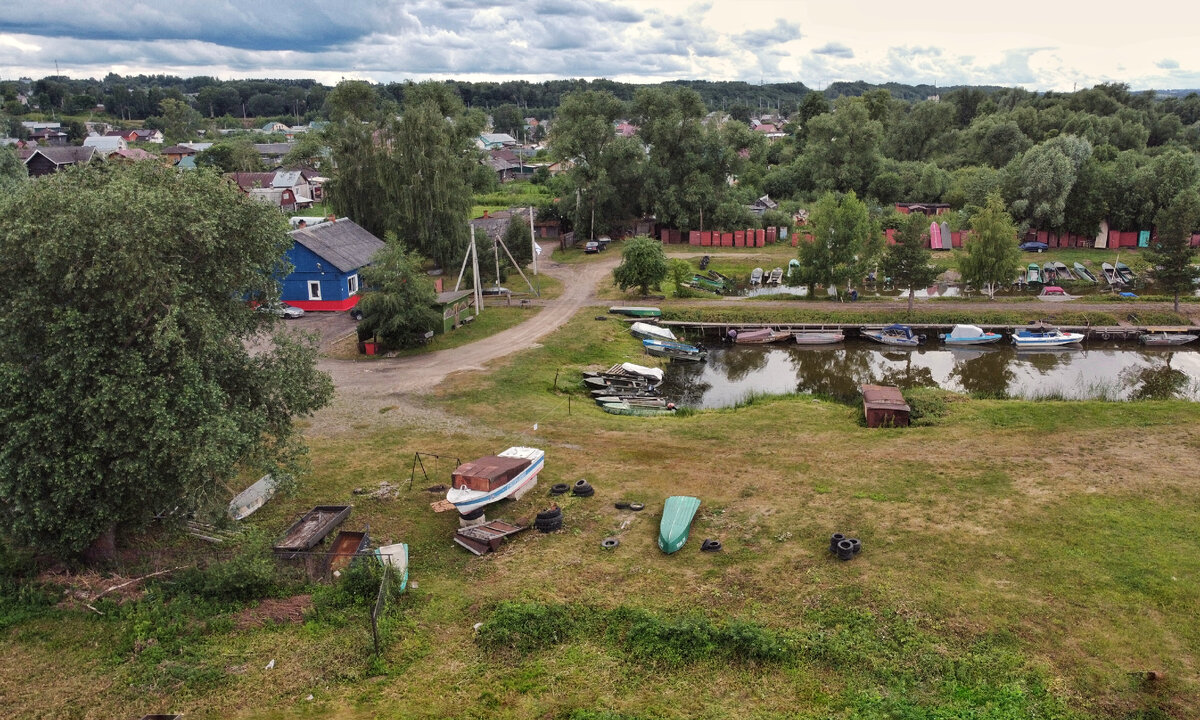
326,260
45,160
286,189
173,154
105,144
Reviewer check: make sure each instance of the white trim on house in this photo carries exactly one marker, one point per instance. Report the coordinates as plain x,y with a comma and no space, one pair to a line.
352,284
314,285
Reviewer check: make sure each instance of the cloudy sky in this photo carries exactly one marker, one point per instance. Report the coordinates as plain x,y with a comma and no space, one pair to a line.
1036,44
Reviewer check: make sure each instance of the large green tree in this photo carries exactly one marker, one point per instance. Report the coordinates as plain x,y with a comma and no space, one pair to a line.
842,149
907,262
397,299
598,162
12,171
134,391
643,265
992,258
845,241
235,155
1172,254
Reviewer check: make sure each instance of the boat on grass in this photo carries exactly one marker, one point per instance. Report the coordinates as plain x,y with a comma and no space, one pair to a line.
1064,273
776,277
758,336
961,335
1045,337
678,513
1033,274
819,337
706,283
624,408
901,335
643,330
1162,338
495,477
1049,274
397,557
643,401
1110,275
252,498
1084,273
756,276
623,383
635,311
1054,293
674,350
1125,273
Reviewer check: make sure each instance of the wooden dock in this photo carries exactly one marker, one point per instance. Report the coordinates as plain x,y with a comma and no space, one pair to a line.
1090,332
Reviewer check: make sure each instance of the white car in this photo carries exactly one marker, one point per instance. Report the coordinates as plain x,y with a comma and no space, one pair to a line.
281,309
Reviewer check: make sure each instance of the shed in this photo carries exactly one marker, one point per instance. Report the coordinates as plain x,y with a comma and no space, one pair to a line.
884,406
457,307
326,260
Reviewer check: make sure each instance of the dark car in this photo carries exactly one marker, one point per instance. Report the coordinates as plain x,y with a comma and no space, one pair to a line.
1033,246
591,247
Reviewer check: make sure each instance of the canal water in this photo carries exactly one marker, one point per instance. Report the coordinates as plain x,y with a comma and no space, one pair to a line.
1112,371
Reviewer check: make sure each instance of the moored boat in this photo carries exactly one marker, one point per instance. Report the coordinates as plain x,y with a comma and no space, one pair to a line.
623,408
1033,274
1163,338
676,524
756,276
1049,274
1125,273
635,311
674,350
758,336
708,283
969,335
1046,337
776,277
495,477
821,337
1084,273
1110,275
1064,273
646,330
1054,293
901,335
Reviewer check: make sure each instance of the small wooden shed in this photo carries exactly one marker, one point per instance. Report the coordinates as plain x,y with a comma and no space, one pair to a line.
884,406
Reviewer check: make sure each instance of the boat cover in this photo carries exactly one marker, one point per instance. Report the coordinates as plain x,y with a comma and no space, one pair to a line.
902,330
966,331
488,472
655,374
1053,290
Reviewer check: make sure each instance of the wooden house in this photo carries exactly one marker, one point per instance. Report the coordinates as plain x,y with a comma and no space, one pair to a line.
326,260
45,160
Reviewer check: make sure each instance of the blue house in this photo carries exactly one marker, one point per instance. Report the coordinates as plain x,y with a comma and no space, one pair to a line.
327,258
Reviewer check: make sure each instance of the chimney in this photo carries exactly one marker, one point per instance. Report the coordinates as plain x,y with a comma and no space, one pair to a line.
437,285
485,214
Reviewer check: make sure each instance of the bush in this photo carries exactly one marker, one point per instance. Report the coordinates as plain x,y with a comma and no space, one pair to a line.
357,587
250,575
927,404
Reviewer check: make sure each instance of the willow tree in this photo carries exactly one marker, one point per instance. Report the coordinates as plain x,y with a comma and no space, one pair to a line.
134,391
992,257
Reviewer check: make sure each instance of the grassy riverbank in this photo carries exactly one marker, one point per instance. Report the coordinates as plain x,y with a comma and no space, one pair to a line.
1021,559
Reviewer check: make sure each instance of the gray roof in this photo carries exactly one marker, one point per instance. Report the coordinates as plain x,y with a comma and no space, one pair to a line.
105,143
273,148
65,155
285,179
342,243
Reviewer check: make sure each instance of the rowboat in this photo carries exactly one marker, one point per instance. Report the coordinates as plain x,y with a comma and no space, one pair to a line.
1084,273
635,311
1110,274
643,330
674,350
628,369
623,408
1049,274
312,528
252,498
1033,274
901,335
819,338
1063,272
396,556
708,283
776,277
758,336
1164,338
494,477
633,385
652,402
1053,293
756,276
345,548
624,391
961,335
1125,273
1050,337
678,513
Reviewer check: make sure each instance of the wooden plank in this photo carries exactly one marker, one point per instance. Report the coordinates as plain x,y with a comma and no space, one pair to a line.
442,506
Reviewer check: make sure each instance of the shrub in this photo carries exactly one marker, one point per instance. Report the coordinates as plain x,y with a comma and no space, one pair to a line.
250,575
927,404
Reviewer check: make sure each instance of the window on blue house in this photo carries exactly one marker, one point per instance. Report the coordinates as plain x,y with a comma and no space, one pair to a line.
314,289
352,284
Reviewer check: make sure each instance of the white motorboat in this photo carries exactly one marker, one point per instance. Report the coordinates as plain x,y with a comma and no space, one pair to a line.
643,330
1049,337
495,477
901,335
969,335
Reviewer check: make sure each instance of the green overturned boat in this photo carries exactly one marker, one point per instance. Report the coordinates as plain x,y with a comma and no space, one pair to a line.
678,512
624,408
634,311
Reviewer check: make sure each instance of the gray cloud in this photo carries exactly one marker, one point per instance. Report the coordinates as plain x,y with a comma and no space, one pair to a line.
1167,64
835,49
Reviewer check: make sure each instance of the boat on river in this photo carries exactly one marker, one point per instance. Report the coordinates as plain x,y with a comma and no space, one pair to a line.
961,335
1063,272
643,330
1054,293
1110,275
901,335
758,336
819,337
1125,273
1162,338
1084,273
676,524
494,477
674,350
635,311
1045,337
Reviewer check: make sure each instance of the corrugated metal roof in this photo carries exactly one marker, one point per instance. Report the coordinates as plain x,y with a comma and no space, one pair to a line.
342,243
285,178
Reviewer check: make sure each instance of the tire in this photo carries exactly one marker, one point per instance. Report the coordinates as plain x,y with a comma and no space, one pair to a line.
548,525
637,507
550,514
601,317
622,505
834,540
586,492
845,550
609,543
856,545
559,488
710,546
356,314
474,514
1103,336
581,484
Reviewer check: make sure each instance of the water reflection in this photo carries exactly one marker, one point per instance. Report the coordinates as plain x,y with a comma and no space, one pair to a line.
1104,371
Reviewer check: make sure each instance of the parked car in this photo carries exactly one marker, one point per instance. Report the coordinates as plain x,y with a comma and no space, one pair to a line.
1033,246
281,309
604,240
591,247
356,313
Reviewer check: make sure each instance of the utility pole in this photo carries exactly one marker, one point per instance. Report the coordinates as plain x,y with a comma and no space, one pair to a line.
475,273
536,250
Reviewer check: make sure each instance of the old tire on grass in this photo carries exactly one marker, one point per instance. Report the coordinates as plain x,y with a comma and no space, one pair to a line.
583,489
856,545
473,515
609,543
621,505
559,488
710,546
834,539
845,550
546,525
637,507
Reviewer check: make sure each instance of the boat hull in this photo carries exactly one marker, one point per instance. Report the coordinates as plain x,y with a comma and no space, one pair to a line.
987,339
645,330
818,338
893,339
1166,340
466,500
627,409
634,311
396,556
1040,340
676,525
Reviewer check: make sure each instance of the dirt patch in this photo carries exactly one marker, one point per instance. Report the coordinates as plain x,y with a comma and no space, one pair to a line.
273,610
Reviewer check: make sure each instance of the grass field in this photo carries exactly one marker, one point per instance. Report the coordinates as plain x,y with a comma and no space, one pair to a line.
1021,560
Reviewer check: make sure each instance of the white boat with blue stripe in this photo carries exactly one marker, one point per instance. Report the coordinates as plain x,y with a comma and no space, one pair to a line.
1050,337
495,477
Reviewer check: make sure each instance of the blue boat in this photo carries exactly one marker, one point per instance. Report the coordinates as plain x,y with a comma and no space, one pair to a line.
674,350
901,335
969,335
